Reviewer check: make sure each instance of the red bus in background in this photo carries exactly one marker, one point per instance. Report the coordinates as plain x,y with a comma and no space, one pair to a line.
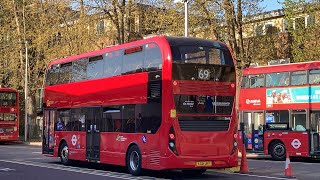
280,109
9,115
158,103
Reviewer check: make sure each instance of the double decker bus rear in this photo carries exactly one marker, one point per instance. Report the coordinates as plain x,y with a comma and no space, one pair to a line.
9,115
203,84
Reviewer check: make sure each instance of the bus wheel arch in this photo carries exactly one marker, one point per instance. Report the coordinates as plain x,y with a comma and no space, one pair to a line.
277,150
134,159
60,144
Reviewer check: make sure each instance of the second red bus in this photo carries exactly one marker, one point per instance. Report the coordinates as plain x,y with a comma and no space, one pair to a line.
280,109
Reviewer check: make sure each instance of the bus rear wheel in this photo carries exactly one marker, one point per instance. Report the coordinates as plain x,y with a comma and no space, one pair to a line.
278,151
134,161
64,154
194,172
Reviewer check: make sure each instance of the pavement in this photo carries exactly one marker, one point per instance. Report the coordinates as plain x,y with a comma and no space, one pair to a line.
33,143
255,155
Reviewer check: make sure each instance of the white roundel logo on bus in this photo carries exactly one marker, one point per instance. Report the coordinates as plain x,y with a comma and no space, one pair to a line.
296,143
232,85
12,109
74,140
175,83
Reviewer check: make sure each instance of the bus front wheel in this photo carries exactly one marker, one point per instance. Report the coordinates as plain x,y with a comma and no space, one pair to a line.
64,154
133,161
278,151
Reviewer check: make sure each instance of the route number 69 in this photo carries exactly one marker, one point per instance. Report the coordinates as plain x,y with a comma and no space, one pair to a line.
204,74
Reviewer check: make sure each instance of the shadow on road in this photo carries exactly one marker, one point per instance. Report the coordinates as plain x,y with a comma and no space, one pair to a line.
175,175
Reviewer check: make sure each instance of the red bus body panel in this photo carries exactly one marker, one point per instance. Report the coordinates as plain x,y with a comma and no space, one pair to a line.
110,91
293,147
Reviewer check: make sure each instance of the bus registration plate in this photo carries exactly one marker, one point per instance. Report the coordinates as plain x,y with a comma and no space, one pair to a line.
203,163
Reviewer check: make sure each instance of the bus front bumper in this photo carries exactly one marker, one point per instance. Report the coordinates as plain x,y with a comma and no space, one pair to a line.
194,162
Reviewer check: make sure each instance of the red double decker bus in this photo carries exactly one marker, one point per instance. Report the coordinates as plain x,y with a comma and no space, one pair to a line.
280,109
9,115
158,103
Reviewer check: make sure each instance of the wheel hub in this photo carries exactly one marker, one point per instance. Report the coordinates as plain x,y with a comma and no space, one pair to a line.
279,150
134,160
65,153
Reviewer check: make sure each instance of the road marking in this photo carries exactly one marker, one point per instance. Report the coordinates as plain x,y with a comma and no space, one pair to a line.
25,159
6,169
252,175
19,147
306,163
36,152
78,170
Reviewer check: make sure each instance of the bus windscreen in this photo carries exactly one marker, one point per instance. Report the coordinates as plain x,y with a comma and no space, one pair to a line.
202,63
8,98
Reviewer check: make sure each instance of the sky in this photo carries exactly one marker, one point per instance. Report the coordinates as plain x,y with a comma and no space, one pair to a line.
270,5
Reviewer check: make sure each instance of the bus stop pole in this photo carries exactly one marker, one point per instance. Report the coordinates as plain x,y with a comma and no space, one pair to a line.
26,95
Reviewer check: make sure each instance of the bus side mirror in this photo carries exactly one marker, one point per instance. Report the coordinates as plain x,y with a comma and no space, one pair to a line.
39,100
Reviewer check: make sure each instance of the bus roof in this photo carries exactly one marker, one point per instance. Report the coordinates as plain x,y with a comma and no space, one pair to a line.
282,68
158,39
7,90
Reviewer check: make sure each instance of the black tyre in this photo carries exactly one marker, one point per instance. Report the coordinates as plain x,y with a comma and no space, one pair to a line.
64,154
133,161
193,172
278,151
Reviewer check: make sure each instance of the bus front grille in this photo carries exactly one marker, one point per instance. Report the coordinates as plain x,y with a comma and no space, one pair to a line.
196,125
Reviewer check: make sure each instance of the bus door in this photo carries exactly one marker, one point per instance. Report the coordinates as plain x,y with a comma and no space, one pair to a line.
253,130
257,131
247,129
93,125
48,131
314,132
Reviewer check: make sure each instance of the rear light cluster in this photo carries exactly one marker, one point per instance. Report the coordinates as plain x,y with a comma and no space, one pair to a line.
235,138
172,141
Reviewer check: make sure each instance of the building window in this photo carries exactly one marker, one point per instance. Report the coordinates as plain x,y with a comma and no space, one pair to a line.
259,30
100,27
266,28
285,27
299,23
302,22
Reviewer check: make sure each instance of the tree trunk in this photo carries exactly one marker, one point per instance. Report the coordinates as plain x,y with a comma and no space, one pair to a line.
122,20
239,28
229,13
16,17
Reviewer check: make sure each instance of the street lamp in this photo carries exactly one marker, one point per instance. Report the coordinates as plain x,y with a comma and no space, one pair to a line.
186,17
26,95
